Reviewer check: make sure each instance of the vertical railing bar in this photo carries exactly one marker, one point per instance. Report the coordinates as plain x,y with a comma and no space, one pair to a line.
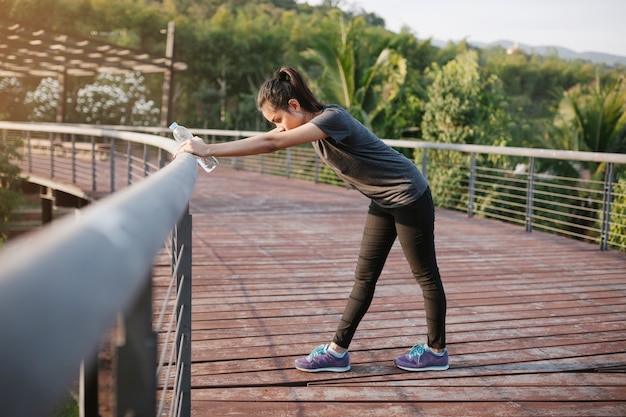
425,162
161,158
129,161
51,136
112,166
317,168
472,186
73,159
146,157
530,191
30,151
93,163
607,200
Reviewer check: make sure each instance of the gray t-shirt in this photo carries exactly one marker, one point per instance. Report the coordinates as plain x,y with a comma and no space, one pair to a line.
364,161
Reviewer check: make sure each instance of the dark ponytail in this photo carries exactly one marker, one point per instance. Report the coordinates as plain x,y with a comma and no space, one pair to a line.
286,84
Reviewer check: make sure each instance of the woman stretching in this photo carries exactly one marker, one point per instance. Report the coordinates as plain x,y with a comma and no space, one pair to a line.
401,206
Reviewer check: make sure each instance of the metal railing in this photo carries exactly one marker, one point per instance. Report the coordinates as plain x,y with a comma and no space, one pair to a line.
539,189
90,263
64,288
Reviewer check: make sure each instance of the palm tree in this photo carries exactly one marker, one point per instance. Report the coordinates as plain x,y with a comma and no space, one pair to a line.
349,78
594,120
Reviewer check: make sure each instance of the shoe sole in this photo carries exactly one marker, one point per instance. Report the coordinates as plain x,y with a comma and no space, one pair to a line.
430,368
325,369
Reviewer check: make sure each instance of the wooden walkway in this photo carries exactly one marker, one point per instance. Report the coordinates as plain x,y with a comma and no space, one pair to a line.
536,323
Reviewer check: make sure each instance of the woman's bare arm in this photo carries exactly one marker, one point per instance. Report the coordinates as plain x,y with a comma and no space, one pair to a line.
268,142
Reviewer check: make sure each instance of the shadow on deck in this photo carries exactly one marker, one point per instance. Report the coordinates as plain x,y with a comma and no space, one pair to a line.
536,323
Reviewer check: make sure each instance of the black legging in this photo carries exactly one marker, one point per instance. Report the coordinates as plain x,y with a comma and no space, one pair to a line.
414,227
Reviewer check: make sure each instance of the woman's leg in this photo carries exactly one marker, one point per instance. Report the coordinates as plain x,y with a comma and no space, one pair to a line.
415,228
378,237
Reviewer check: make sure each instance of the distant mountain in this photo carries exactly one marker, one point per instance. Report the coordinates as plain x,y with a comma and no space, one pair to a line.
563,53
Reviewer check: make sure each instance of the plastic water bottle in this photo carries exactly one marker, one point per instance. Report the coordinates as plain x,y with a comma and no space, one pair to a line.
181,134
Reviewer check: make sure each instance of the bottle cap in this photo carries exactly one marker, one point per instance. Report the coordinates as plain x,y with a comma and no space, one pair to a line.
174,125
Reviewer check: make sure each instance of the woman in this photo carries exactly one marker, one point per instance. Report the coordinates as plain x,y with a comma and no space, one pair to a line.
401,206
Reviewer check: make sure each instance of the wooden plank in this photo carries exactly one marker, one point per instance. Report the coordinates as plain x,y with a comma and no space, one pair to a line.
201,407
386,394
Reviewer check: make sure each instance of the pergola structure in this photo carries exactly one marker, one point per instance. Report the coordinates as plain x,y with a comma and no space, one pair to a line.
43,53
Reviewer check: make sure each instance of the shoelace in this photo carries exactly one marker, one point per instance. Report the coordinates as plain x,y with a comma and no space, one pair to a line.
417,350
320,350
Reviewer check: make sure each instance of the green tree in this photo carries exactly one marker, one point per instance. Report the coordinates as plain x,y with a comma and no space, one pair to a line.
463,107
592,118
10,183
229,56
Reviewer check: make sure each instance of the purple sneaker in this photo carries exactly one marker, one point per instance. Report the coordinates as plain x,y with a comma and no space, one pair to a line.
322,360
421,358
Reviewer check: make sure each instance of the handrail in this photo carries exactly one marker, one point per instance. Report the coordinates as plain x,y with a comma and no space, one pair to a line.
62,288
615,158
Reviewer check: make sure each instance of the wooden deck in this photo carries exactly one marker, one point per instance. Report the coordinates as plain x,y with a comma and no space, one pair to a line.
536,323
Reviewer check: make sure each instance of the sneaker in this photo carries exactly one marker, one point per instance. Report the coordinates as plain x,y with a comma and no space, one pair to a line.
421,358
322,360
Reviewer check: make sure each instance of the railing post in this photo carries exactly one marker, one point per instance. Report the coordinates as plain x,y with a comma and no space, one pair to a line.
129,162
137,359
607,200
146,159
183,343
93,163
472,186
73,142
317,168
112,165
530,191
51,137
425,162
288,163
30,152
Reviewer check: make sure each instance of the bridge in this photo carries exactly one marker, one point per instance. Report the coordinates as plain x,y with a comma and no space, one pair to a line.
536,320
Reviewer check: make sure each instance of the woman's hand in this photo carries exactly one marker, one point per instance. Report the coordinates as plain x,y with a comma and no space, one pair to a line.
195,146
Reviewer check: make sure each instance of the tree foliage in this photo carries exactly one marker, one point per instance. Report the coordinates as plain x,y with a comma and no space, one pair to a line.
364,83
462,107
10,183
231,47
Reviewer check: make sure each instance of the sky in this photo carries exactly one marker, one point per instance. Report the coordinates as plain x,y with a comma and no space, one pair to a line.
579,25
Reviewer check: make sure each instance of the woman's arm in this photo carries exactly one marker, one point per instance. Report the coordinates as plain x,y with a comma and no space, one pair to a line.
268,142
